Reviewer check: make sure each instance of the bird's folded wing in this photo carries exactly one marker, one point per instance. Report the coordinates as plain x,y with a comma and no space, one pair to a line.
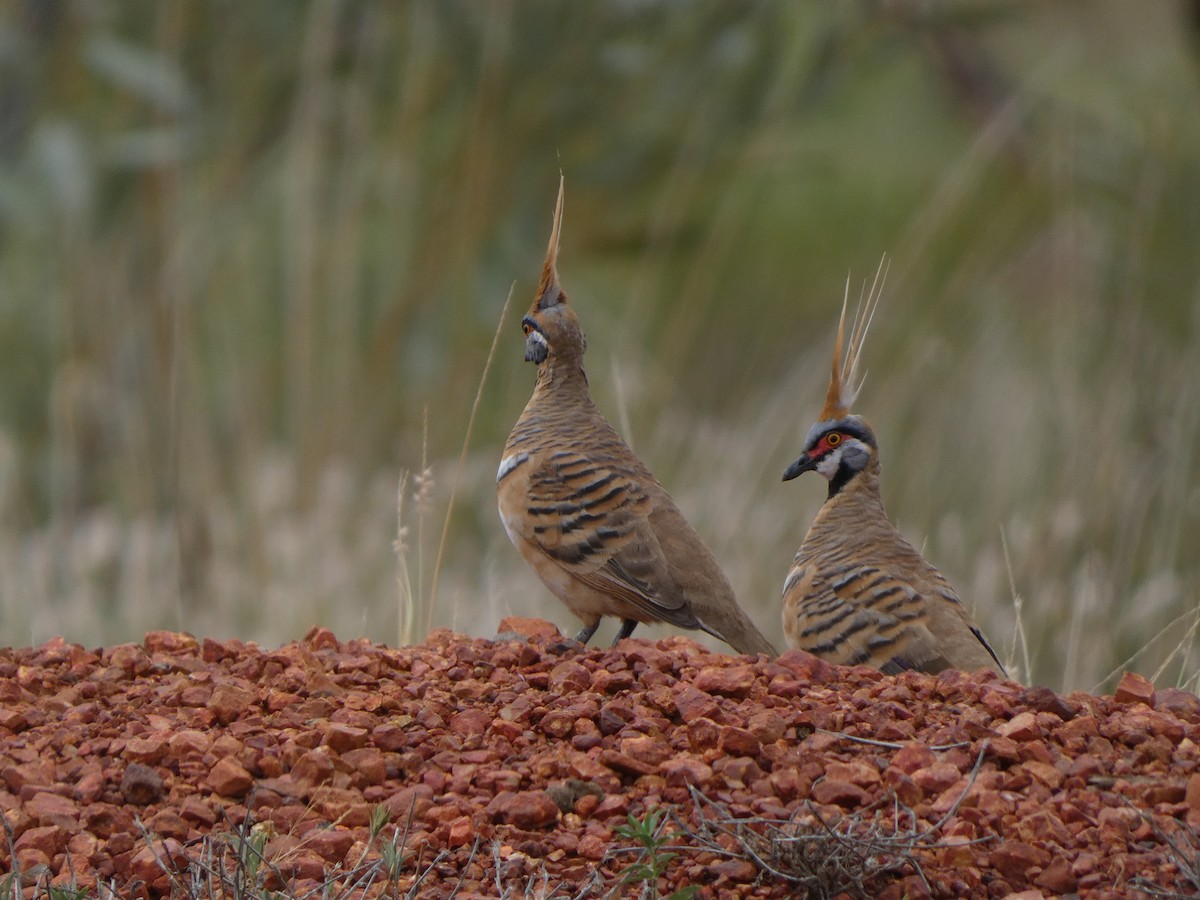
592,518
860,615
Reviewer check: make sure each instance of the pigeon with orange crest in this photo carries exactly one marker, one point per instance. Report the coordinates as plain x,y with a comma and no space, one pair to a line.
586,514
857,592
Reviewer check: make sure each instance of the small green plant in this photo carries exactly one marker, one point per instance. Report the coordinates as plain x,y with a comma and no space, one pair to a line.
648,833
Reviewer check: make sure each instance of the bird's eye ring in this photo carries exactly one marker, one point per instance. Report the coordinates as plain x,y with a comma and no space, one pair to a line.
833,439
526,327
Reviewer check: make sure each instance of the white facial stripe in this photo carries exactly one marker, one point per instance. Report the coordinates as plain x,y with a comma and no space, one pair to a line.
508,464
829,463
832,462
538,338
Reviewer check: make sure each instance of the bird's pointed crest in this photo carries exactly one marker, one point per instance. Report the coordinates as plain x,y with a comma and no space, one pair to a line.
844,380
549,293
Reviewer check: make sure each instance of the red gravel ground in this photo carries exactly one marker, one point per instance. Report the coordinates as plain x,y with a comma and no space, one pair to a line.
512,757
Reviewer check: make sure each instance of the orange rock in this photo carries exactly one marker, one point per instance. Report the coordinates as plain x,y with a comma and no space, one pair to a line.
342,738
188,743
807,667
738,741
48,808
1021,727
692,704
148,750
936,778
230,701
528,628
229,778
524,809
840,793
651,750
149,859
684,770
1013,859
592,847
45,839
170,642
570,677
856,772
1058,878
622,762
462,832
911,757
728,681
312,769
1135,688
331,844
1044,772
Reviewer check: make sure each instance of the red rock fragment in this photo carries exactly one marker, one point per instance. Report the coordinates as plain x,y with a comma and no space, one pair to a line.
148,750
1043,699
840,793
45,839
650,750
911,757
229,778
738,742
728,681
529,628
569,677
462,832
229,702
735,869
1021,727
170,642
319,638
524,809
47,808
1135,688
591,847
621,762
1058,878
684,770
39,773
312,769
693,704
936,778
343,738
806,666
1182,704
1013,859
148,861
857,772
331,844
168,823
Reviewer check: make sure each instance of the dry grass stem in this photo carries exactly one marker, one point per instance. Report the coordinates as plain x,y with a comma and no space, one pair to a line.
462,458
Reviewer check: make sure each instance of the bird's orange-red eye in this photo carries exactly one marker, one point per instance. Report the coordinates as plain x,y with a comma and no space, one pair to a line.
525,326
833,439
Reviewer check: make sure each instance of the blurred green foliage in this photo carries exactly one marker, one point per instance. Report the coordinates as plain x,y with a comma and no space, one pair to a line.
249,250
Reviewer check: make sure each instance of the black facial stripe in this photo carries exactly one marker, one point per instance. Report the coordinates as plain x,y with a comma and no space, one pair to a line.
531,323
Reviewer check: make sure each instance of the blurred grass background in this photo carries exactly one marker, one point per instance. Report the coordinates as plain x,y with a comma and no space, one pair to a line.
252,257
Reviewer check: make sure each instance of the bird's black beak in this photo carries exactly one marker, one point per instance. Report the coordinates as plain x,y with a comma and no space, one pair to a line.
804,464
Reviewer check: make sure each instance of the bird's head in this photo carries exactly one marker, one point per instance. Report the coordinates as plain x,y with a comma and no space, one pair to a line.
838,449
840,445
552,330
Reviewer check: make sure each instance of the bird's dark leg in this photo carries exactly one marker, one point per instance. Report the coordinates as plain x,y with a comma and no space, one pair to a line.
627,626
586,632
